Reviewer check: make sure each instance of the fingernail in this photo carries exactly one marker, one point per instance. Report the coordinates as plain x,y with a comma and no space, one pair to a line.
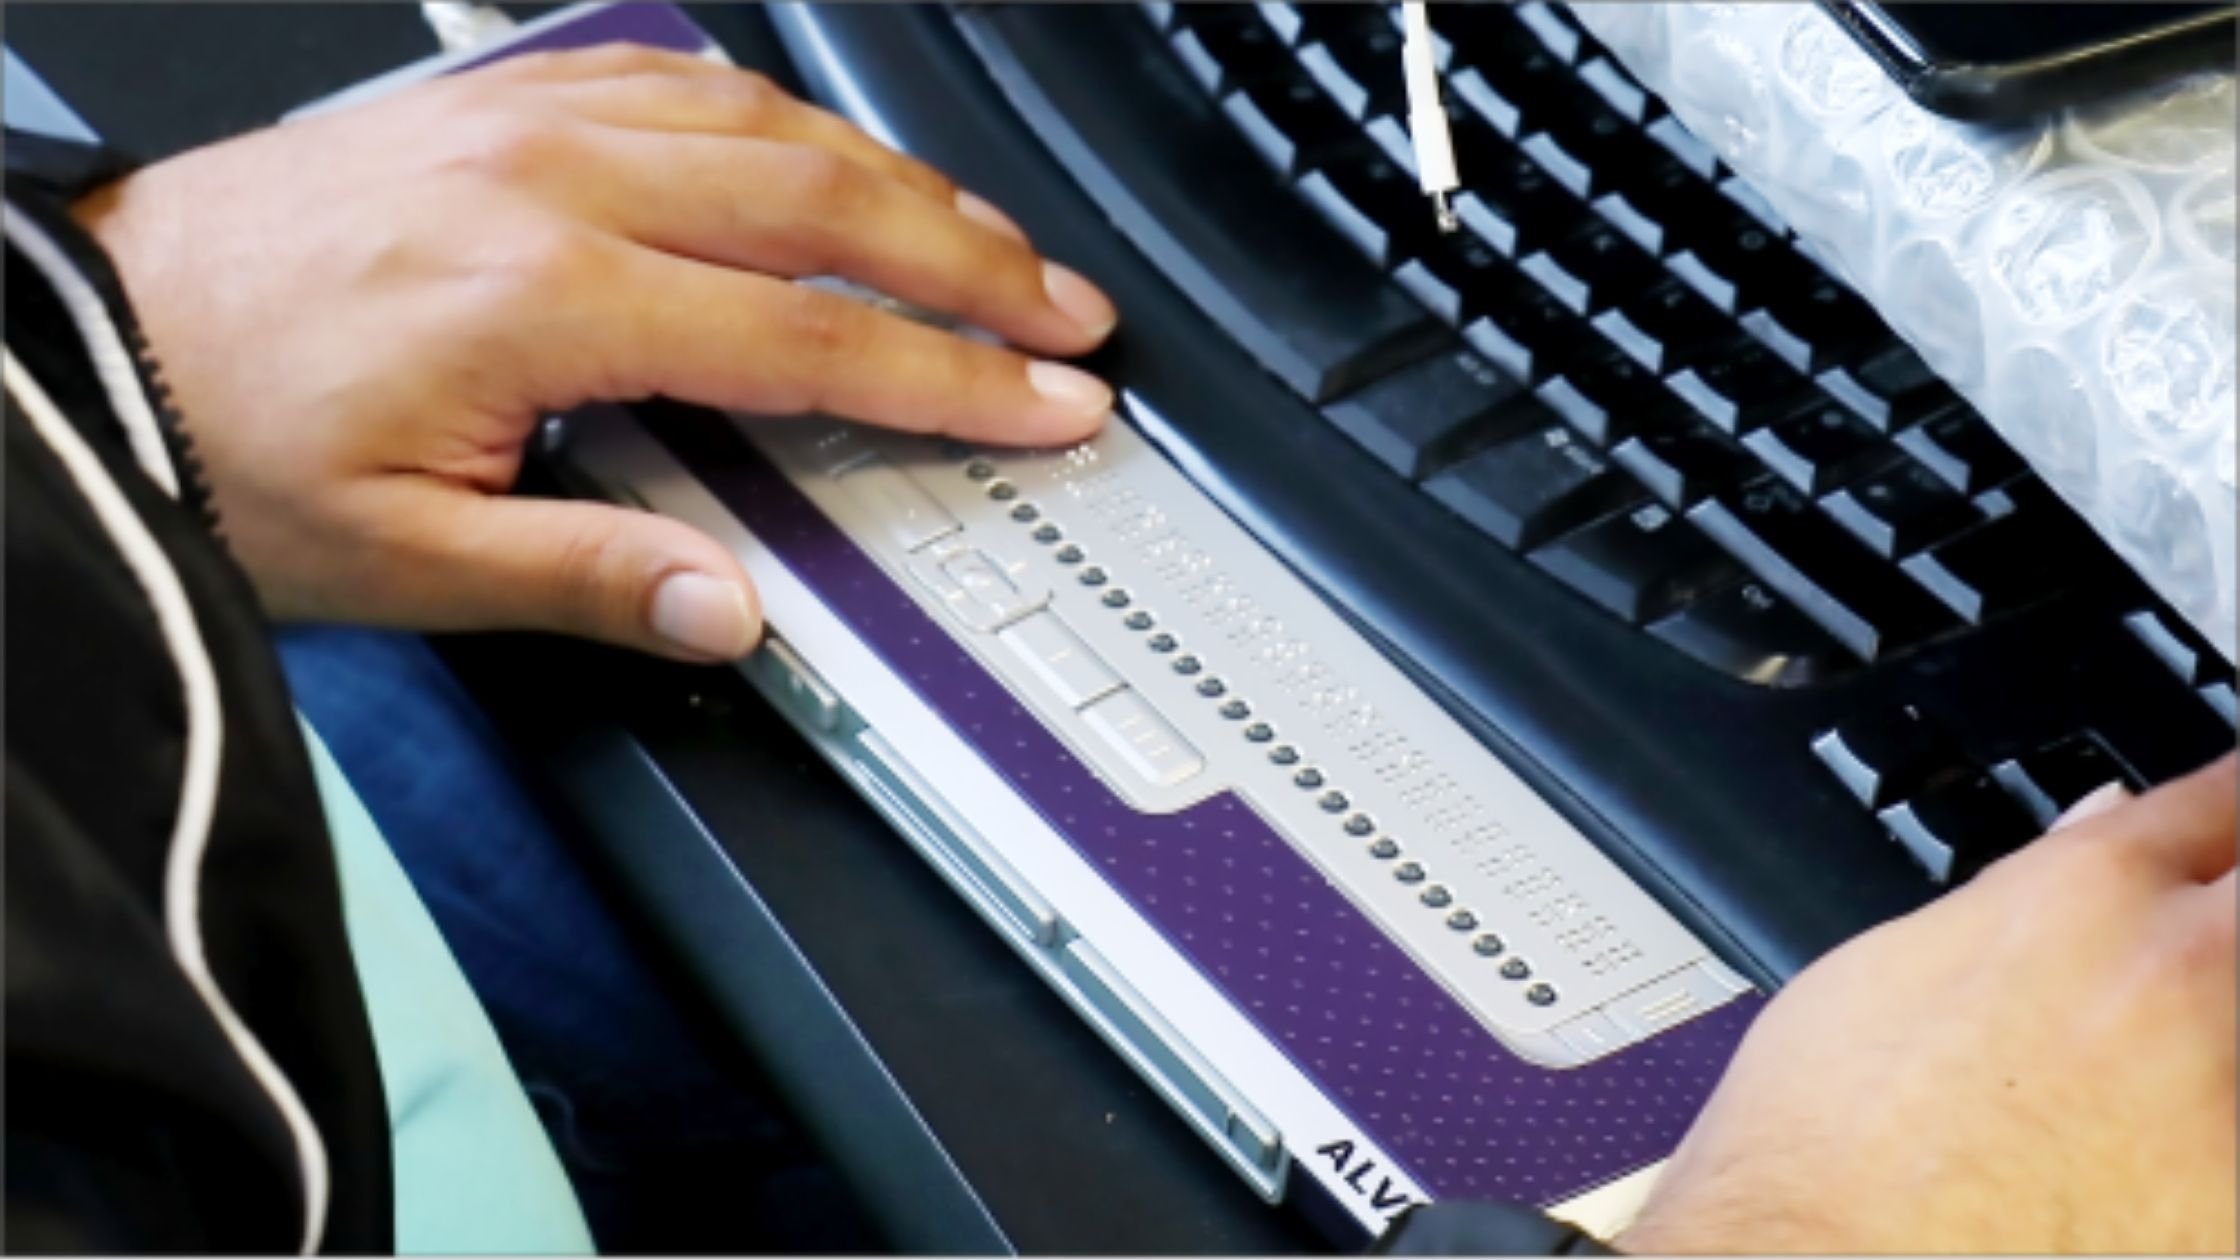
1070,387
2096,802
1082,301
984,213
703,615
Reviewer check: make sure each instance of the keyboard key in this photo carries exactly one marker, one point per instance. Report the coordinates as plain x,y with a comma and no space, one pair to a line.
1683,144
1742,389
1591,268
2223,701
1608,80
1458,276
1746,631
2033,551
1886,755
1227,46
1357,60
1553,30
1499,112
1957,828
1416,417
1890,389
1820,448
1291,123
1528,489
1822,325
2047,781
1959,446
1681,465
1819,568
1526,332
2148,627
1661,203
1666,328
1520,207
1735,263
1609,398
1640,564
1900,510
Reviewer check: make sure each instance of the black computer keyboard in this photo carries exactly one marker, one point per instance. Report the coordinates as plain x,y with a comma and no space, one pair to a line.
1657,396
1617,470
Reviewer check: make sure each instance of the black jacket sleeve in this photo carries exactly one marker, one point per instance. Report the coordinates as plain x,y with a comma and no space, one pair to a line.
140,1117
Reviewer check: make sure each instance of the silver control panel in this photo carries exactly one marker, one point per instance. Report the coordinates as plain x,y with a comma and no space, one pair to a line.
1179,658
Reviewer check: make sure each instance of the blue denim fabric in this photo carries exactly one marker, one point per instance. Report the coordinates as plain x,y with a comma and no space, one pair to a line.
669,1146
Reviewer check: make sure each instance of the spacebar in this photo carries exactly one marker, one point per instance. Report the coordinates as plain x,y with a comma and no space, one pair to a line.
1155,151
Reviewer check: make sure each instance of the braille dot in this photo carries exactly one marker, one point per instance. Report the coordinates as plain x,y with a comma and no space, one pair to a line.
1488,945
1333,802
1002,491
1385,847
1025,513
1437,897
1069,554
1462,920
1541,995
1283,754
1515,969
1408,872
979,470
1115,598
1138,620
1187,665
1212,688
1308,778
1360,825
1236,710
1259,732
1046,534
1161,642
1092,576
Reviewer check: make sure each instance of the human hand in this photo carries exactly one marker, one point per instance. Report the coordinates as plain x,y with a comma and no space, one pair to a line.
2041,1061
363,315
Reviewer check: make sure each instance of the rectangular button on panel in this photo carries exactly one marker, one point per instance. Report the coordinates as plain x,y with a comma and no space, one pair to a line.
978,589
1058,657
1151,747
910,515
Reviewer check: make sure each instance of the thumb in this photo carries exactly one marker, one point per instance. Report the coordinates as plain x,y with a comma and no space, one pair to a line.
599,571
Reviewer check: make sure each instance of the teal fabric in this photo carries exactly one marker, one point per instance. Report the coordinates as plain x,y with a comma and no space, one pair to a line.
475,1173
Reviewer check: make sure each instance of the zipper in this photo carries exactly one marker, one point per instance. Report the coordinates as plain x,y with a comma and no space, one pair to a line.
186,462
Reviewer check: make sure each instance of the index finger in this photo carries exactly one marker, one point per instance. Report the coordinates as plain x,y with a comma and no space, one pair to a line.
743,341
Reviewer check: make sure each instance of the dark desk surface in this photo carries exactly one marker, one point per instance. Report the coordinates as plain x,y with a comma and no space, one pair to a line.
810,932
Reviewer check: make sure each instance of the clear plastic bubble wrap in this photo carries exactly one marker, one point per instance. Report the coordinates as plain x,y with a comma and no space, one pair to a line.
2072,278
